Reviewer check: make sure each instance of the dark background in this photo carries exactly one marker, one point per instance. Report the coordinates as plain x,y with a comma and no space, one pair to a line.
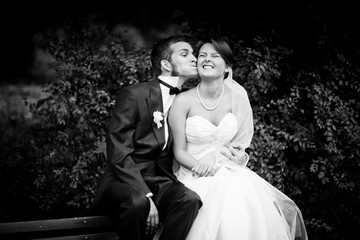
22,23
322,37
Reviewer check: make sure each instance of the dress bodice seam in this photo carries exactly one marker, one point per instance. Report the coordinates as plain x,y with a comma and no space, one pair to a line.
217,126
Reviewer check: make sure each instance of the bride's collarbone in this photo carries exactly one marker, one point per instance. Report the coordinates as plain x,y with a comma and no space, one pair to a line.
215,117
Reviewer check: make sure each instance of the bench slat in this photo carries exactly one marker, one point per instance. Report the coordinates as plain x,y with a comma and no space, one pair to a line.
55,224
94,236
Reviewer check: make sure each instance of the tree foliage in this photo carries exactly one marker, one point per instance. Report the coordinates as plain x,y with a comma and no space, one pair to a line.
306,120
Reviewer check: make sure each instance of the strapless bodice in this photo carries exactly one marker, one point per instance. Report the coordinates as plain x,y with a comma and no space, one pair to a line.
202,136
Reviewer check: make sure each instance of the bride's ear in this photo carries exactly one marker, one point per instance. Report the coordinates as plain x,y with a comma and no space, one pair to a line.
228,73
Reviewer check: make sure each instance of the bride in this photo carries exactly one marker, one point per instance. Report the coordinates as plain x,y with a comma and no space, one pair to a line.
209,122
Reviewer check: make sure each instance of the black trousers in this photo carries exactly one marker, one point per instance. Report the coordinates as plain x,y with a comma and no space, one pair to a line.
177,206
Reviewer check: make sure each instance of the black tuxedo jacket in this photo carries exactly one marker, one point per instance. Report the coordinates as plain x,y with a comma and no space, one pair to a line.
134,142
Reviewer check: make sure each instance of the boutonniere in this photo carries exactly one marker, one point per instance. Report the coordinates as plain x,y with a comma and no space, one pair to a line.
158,117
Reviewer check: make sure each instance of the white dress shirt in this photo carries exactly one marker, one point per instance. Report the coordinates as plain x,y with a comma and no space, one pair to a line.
167,101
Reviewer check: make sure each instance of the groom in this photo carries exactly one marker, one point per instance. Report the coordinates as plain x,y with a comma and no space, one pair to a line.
138,189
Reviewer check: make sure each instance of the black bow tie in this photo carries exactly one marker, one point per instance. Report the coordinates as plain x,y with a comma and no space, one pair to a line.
173,90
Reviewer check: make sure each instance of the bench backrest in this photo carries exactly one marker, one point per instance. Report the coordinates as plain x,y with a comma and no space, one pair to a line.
92,227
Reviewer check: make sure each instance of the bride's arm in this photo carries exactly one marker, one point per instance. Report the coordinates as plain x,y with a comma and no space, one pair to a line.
177,120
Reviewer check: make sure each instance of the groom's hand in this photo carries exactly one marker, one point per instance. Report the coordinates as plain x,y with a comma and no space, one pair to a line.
205,166
152,221
235,153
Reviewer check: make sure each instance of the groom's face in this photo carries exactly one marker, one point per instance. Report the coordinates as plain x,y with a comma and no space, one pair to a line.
183,61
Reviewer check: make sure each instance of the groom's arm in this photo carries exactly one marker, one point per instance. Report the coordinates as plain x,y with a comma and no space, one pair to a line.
120,143
235,152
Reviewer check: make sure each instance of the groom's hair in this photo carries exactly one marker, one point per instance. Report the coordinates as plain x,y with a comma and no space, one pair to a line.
162,51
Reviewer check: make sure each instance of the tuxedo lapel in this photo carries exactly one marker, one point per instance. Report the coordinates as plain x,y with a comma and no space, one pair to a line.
154,102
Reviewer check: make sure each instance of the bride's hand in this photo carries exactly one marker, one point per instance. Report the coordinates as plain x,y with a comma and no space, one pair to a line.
205,166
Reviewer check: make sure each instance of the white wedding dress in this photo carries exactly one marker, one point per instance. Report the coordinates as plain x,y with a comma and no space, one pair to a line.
237,203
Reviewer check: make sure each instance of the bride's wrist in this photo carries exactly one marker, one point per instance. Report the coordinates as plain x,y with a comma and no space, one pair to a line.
193,167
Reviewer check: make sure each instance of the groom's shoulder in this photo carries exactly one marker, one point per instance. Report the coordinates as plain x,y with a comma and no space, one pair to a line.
136,87
133,91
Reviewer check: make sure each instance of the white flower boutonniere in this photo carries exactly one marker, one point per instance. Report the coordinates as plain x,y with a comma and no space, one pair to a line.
158,117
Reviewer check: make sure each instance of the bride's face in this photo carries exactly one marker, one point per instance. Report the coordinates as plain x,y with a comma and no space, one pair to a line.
210,64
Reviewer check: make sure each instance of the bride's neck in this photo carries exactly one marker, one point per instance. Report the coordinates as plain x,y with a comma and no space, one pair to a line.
210,89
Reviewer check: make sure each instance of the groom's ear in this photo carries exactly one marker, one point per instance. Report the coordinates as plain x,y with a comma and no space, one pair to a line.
165,64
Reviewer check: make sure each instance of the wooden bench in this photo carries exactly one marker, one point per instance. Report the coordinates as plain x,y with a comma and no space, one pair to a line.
92,227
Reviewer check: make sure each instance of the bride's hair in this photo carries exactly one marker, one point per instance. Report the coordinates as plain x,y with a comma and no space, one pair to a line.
223,48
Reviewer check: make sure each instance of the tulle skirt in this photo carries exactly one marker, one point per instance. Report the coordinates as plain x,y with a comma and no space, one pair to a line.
239,204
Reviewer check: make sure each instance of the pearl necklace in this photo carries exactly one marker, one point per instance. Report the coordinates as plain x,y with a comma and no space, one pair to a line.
202,102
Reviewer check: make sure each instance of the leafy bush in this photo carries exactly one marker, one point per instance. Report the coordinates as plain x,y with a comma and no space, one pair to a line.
91,64
306,120
307,137
306,140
